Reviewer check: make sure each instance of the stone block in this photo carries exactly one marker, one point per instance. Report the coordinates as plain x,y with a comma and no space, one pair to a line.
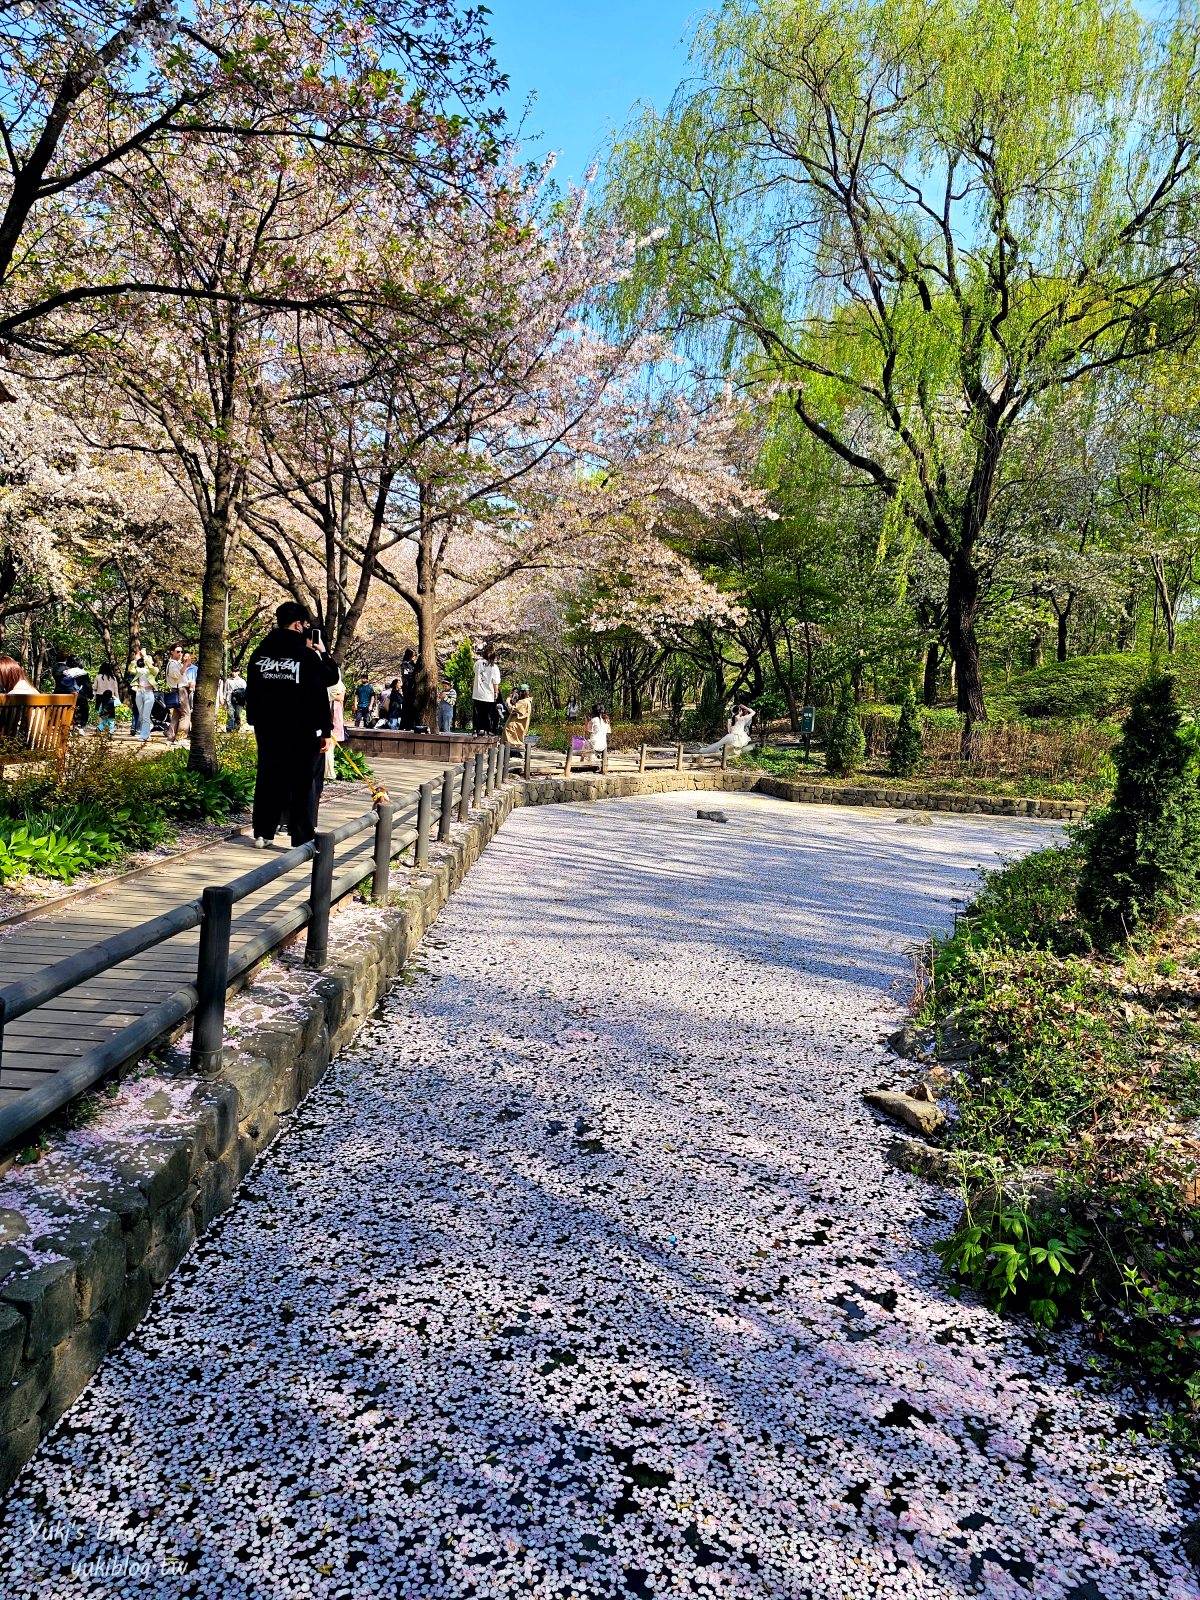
172,1235
25,1395
45,1297
73,1363
160,1168
16,1447
215,1190
136,1295
254,1079
95,1245
12,1342
923,1116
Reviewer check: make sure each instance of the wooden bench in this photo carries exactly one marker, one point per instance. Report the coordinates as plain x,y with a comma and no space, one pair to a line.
34,727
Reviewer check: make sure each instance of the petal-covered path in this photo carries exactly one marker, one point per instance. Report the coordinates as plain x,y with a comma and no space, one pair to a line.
584,1274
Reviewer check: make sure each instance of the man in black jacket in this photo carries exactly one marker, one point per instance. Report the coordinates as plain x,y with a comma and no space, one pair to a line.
287,705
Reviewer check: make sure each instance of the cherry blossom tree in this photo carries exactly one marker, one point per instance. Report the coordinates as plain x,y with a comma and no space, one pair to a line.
90,89
516,439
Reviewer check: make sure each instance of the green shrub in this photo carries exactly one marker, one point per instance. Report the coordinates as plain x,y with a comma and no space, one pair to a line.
904,758
1028,903
459,668
1084,686
1018,1259
845,744
1142,854
348,765
57,852
104,801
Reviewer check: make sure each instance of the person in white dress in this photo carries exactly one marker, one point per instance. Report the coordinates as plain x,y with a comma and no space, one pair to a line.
596,742
738,736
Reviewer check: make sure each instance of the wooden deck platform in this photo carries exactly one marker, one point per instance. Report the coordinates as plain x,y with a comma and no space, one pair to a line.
51,1036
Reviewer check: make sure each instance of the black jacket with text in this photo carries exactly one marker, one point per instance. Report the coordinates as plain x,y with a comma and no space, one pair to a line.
287,689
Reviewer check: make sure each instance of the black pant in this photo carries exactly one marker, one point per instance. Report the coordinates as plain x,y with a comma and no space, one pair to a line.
483,716
289,780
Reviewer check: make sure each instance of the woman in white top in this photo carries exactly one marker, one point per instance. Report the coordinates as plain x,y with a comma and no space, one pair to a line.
143,677
598,730
738,737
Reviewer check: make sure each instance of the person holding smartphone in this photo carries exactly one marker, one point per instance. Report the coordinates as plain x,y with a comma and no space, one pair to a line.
287,704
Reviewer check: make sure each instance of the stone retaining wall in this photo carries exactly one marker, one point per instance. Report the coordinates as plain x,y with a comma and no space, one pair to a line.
615,785
626,785
107,1215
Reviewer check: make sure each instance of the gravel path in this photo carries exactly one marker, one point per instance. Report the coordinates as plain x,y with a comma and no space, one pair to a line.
584,1275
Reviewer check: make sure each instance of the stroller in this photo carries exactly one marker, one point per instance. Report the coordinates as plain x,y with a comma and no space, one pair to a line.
160,717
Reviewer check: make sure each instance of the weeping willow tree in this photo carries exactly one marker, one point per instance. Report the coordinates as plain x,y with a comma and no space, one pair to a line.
926,218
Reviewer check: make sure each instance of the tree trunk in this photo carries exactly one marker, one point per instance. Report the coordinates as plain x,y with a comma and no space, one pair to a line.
1164,599
1064,618
428,668
1037,648
929,681
214,596
962,614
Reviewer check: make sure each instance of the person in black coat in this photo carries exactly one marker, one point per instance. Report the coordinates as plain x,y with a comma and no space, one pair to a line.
408,686
287,704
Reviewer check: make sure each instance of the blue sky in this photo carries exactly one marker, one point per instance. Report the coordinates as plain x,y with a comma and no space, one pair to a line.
588,61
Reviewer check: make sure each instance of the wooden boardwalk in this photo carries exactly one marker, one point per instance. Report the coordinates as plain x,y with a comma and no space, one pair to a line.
54,1034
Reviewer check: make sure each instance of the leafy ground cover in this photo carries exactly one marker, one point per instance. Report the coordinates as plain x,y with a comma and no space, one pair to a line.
105,802
1077,1134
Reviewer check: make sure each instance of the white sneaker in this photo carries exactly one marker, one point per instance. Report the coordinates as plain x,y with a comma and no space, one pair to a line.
259,844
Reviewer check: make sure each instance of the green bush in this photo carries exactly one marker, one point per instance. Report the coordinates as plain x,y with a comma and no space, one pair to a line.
904,757
1084,686
348,765
845,744
104,801
1142,854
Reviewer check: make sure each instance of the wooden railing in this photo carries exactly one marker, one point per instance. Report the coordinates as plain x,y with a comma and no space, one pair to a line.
649,758
217,966
35,724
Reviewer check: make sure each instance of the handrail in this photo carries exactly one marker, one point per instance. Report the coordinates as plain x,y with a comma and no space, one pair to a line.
26,993
217,966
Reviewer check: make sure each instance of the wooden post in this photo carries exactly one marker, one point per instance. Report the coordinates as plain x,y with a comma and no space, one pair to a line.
424,808
383,854
604,761
316,947
464,799
446,816
493,768
212,978
525,764
567,762
724,757
479,777
678,758
641,758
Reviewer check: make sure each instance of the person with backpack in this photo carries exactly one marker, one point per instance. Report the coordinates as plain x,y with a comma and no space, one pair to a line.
287,704
107,690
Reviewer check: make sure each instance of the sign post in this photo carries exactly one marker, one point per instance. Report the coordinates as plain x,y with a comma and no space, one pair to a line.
808,721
